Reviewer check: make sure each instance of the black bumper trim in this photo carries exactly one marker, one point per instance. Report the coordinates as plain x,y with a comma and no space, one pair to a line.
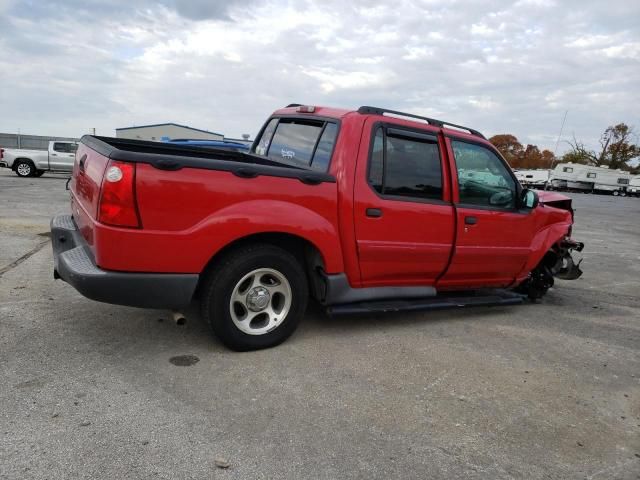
74,263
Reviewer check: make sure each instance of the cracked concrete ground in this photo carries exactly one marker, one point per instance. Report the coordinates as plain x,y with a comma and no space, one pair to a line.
547,390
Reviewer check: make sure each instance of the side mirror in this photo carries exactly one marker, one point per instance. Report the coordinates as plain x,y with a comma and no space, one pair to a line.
529,199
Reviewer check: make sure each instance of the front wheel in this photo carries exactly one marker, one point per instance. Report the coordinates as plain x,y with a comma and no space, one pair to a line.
255,297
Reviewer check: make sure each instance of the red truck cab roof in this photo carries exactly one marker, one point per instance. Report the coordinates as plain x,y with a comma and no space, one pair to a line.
409,119
329,112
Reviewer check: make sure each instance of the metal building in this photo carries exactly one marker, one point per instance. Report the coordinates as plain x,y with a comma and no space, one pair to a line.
166,131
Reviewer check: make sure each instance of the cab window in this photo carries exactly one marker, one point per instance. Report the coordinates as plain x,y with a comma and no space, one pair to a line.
298,142
65,147
483,178
405,164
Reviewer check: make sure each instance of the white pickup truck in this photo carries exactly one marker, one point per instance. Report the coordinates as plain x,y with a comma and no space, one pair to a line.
33,163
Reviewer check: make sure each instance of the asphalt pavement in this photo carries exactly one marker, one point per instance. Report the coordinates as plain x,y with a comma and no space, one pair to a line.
538,391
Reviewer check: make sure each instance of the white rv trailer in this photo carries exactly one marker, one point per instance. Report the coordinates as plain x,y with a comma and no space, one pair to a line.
634,186
588,178
533,178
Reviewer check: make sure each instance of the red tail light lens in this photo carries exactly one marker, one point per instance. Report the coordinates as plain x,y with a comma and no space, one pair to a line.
118,205
1,153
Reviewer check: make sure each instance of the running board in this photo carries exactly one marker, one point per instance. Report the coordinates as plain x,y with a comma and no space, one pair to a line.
476,298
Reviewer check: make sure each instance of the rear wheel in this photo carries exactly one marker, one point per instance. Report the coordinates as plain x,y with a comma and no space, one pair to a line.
24,168
255,297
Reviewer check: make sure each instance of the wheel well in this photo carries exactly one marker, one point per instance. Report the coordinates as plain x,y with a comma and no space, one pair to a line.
306,252
21,159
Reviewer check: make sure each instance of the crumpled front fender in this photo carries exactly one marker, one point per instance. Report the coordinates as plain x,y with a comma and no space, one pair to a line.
565,267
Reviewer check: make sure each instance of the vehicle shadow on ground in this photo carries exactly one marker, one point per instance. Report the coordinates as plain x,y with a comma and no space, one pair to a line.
124,331
43,178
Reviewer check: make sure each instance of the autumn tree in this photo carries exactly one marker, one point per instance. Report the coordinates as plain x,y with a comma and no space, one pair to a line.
616,149
548,158
509,146
520,157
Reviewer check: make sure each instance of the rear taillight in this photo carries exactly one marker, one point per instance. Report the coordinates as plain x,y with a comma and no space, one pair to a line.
118,205
1,153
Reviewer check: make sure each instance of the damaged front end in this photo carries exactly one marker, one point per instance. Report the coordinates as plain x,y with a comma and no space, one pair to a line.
557,263
565,268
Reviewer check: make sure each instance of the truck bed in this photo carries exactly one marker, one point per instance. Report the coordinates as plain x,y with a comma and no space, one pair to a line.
166,156
195,201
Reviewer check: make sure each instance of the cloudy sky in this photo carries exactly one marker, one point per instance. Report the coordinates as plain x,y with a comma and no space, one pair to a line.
497,66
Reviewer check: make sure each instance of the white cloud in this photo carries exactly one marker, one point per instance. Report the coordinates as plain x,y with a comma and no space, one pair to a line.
482,29
626,50
332,79
498,66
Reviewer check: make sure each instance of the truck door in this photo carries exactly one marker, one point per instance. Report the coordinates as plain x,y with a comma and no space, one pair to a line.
493,238
403,216
62,155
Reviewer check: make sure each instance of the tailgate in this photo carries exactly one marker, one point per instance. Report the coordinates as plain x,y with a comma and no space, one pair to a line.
88,169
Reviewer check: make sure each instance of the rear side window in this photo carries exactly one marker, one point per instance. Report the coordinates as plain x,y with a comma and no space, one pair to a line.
65,147
298,142
263,145
405,164
376,167
567,169
623,181
325,146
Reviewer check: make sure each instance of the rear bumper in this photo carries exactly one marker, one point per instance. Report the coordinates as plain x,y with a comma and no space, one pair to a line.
73,262
4,164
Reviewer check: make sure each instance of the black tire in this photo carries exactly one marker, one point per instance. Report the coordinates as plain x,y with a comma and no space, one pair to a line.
24,168
39,173
226,274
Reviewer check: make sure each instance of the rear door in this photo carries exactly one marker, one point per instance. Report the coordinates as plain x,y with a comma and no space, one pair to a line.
62,156
403,216
493,238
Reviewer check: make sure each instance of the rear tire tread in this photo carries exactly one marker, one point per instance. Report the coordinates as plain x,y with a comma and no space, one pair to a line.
221,280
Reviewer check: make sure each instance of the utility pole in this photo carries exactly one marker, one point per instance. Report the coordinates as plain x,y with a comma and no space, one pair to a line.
556,148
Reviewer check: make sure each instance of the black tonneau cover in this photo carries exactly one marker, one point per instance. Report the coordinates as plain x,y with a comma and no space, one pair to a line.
166,156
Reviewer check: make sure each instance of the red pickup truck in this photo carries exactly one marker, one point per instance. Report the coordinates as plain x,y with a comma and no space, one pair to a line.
365,210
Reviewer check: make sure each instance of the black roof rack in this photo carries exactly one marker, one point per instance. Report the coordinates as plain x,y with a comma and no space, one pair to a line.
430,121
293,105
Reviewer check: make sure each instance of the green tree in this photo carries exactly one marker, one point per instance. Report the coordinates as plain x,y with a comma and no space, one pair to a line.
617,149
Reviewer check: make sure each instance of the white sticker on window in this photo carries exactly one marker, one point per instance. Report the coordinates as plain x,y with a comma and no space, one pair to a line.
288,154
